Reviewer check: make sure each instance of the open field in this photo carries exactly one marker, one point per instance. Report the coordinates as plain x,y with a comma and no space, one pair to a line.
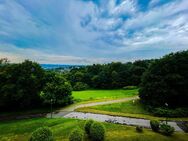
97,95
126,109
20,130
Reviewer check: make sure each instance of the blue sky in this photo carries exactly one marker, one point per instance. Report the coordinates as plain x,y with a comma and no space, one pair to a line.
91,31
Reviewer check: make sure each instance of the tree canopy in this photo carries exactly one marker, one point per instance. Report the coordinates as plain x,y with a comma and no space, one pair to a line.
166,81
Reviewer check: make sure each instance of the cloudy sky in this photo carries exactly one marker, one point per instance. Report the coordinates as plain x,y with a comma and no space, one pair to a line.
91,31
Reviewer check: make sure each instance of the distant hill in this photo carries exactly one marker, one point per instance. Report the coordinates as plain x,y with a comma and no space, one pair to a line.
59,66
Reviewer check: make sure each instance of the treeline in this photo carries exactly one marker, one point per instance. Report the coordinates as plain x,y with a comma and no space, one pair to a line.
27,85
108,76
162,82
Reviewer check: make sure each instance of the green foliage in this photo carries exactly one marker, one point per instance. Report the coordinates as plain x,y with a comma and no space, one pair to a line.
139,129
42,134
155,125
109,76
76,135
87,126
130,87
166,129
79,86
166,81
57,89
164,112
97,131
20,85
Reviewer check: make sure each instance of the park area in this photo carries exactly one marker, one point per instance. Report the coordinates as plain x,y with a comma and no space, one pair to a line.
61,127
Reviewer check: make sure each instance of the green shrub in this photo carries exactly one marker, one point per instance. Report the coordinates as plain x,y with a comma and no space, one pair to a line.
164,112
87,126
130,87
79,86
166,129
76,135
97,131
42,134
139,129
154,125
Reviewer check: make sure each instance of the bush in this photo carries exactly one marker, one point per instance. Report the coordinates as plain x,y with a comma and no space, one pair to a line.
154,125
130,87
166,129
164,112
87,126
79,86
42,134
97,131
76,135
139,129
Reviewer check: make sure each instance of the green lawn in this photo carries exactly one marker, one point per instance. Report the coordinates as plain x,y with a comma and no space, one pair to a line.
127,109
89,95
20,130
124,107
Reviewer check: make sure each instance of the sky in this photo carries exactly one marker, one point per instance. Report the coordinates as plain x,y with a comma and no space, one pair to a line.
91,31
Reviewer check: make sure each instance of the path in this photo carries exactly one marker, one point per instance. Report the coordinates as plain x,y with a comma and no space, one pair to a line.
68,112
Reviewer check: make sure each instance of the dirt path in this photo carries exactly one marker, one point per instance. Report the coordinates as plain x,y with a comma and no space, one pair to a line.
68,112
76,106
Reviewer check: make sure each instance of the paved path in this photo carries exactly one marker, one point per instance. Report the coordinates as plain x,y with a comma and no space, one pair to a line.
115,119
68,112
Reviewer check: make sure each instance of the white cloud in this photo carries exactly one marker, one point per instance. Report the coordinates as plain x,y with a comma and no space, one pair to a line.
77,31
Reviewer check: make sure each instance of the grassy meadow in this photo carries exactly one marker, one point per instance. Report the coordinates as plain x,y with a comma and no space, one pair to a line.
90,95
127,109
20,130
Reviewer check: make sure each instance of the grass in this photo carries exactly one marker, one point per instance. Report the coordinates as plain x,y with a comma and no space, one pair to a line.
97,95
20,130
126,109
25,113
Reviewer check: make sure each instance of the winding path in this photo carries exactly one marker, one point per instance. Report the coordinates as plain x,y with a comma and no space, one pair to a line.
68,112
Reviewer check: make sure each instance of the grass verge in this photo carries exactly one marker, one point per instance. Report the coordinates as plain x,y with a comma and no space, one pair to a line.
20,130
125,109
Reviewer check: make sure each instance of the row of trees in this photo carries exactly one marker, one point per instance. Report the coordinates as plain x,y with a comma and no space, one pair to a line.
27,85
108,76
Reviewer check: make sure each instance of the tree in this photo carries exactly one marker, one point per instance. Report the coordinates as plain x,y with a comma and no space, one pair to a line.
57,89
20,85
166,81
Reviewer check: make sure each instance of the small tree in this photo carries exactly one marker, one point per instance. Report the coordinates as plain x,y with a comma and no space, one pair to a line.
57,89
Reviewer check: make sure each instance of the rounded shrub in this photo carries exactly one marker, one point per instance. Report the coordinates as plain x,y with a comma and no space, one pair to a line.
139,129
87,126
42,134
76,135
154,125
97,131
166,129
